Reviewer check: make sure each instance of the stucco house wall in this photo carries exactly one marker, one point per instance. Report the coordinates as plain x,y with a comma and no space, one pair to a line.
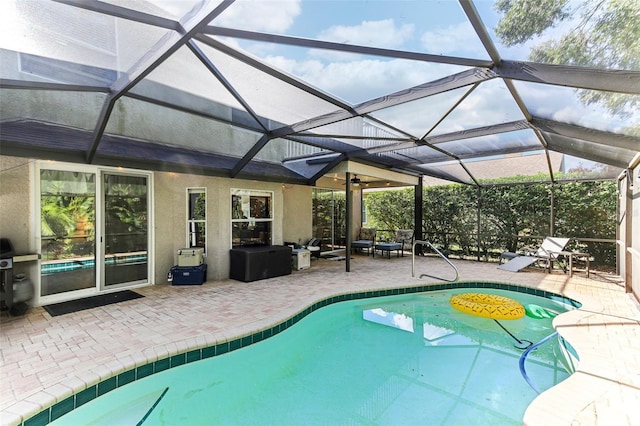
297,213
15,202
291,212
291,206
16,209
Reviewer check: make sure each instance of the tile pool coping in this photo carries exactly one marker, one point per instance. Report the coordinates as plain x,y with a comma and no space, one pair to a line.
89,393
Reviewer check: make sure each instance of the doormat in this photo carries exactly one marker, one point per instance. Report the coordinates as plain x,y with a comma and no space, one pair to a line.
90,302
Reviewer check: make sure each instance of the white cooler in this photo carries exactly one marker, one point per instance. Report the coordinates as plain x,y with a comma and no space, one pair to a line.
190,256
301,259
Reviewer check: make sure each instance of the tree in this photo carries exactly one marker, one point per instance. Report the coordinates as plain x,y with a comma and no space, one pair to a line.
509,212
62,214
126,216
588,210
391,209
601,34
449,217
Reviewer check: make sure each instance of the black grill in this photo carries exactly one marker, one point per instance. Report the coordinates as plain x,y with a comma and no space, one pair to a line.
6,273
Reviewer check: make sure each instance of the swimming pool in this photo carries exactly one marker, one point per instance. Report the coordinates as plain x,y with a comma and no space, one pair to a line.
407,359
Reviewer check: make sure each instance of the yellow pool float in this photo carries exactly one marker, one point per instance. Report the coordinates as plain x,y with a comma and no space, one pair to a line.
488,306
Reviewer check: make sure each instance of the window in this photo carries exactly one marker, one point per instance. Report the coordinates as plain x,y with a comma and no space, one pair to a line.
197,217
364,210
251,217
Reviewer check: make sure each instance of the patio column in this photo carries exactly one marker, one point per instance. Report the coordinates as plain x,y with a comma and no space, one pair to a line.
628,237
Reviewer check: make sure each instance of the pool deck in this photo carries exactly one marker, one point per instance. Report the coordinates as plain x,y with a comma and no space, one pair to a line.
46,359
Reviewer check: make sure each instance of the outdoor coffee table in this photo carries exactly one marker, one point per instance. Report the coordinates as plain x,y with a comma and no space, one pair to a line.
388,247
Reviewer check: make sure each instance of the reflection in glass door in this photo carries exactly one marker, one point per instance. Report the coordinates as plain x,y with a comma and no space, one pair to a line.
125,229
67,229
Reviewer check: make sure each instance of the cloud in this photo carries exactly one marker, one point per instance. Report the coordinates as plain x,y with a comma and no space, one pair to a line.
563,104
382,33
456,39
260,15
490,103
364,79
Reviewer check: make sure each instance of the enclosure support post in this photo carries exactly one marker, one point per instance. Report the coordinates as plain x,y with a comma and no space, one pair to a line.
478,233
348,221
552,212
417,213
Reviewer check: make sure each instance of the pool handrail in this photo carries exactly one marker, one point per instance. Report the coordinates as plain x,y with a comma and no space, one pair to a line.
569,354
523,358
413,262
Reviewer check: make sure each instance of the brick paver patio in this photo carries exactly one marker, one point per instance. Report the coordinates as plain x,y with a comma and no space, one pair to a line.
46,359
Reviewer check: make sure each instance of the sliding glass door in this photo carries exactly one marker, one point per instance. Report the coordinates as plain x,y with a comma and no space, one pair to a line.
126,231
94,230
68,231
329,218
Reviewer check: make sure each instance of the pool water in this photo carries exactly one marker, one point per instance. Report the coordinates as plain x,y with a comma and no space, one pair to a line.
397,360
56,266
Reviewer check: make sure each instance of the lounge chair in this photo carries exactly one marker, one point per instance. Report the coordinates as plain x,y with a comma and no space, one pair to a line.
313,245
366,240
403,240
547,253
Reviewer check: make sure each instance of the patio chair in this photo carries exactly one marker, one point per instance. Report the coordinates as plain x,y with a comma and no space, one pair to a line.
405,236
547,253
366,240
403,240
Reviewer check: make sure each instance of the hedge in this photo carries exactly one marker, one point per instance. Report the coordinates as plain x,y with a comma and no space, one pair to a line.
482,222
